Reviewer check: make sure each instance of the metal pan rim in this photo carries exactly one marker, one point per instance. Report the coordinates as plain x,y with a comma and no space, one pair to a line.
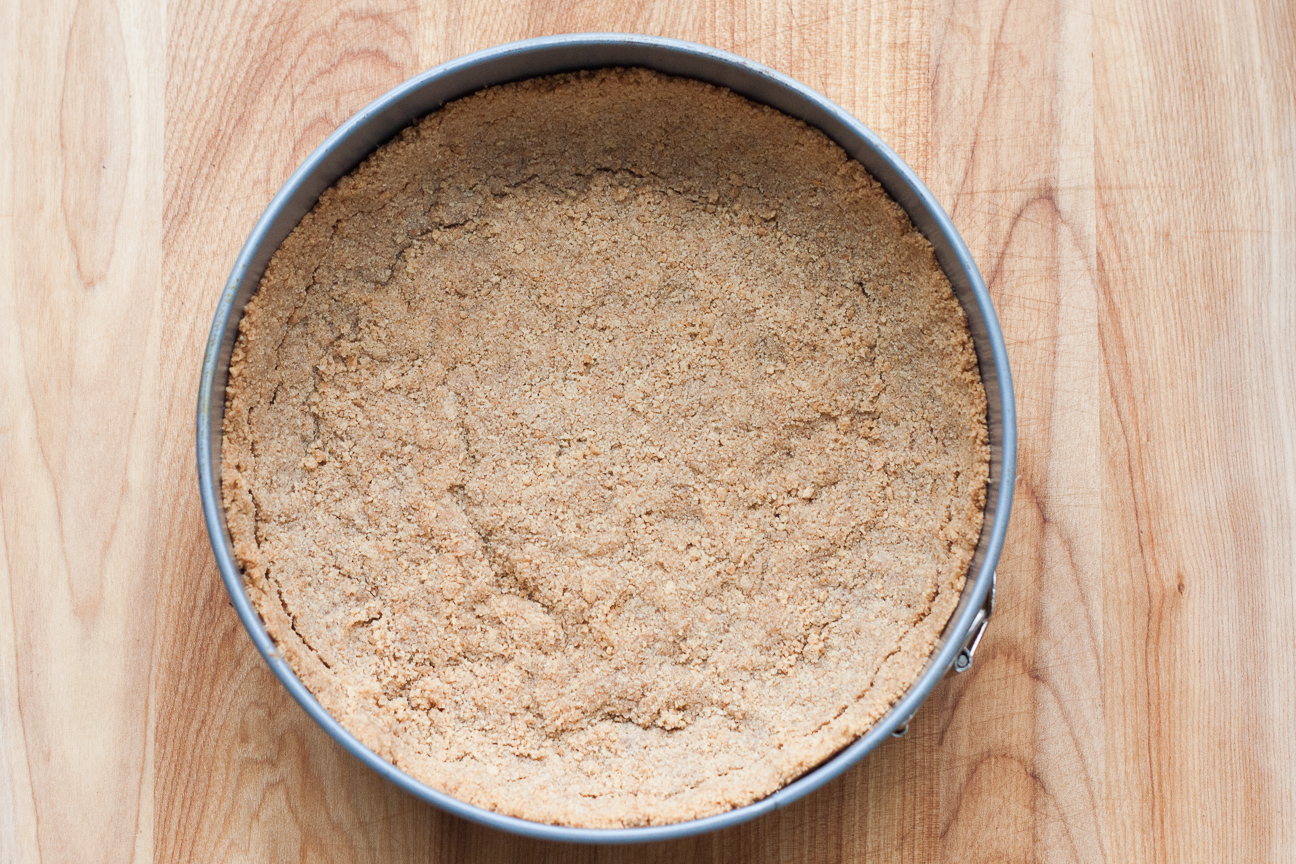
385,116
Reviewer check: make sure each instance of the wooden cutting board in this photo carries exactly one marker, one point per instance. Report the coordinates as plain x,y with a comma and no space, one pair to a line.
1125,174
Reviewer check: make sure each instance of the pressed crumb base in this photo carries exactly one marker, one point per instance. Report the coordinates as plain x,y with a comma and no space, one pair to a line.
606,450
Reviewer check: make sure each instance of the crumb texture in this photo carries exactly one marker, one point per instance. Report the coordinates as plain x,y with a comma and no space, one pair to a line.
605,450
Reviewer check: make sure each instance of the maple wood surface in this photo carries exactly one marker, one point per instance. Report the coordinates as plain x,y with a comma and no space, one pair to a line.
1125,175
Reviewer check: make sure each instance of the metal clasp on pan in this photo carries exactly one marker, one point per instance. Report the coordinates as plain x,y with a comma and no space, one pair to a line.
963,660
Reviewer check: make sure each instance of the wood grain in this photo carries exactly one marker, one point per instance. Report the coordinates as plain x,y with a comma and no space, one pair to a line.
1124,173
1197,251
1021,765
80,424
